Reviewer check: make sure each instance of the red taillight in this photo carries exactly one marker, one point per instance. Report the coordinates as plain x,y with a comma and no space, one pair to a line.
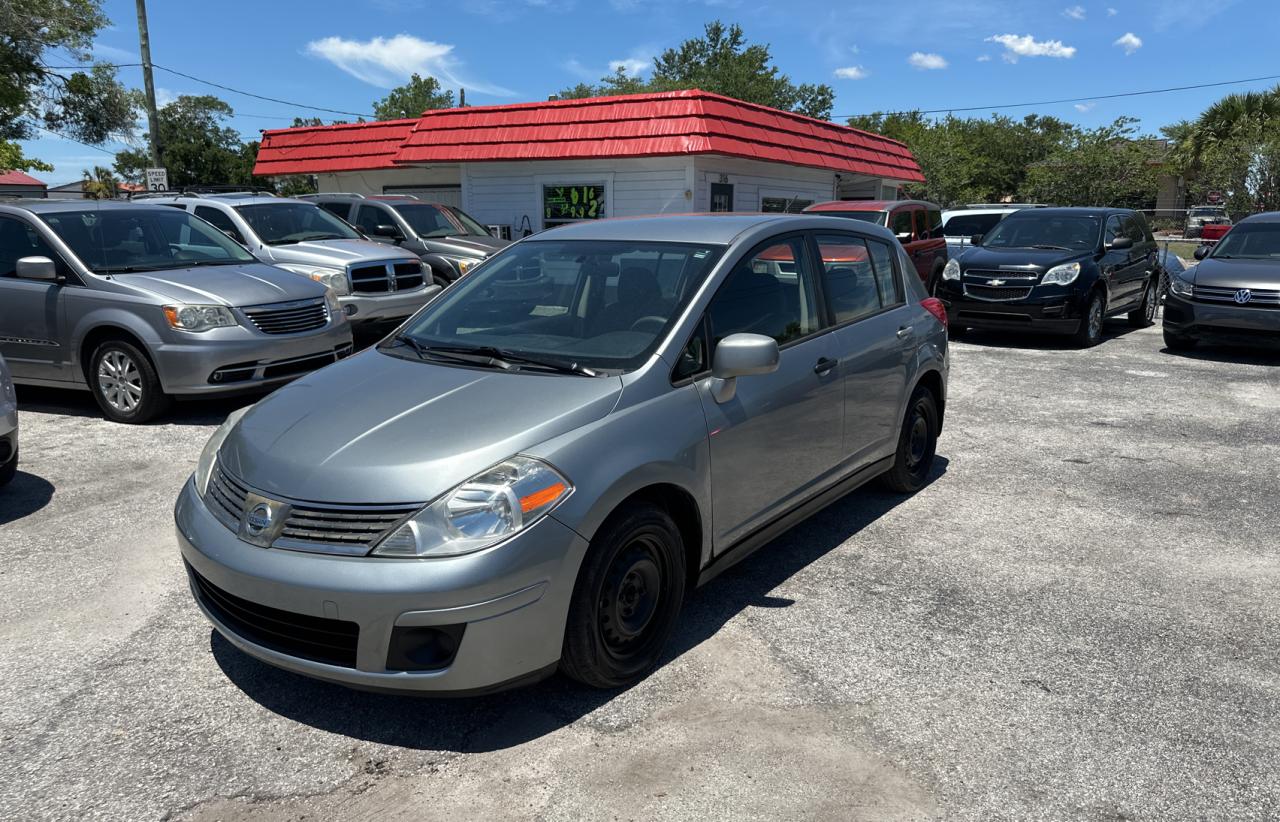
935,307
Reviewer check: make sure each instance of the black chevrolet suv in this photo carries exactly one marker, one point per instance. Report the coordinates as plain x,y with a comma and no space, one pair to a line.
1062,270
445,238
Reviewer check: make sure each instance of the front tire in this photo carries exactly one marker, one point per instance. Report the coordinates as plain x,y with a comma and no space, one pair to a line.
1144,316
917,444
1090,332
125,384
626,600
1179,342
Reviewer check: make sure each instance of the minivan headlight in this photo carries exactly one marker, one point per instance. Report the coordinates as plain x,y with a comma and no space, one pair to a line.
209,456
951,271
1064,274
481,512
197,318
335,279
1181,287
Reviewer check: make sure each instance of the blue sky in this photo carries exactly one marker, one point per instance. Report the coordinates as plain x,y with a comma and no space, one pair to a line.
923,54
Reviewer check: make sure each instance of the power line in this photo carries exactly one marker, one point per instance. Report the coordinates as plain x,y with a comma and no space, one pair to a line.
1064,100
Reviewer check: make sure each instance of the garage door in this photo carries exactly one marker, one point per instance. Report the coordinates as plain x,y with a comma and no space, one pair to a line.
444,195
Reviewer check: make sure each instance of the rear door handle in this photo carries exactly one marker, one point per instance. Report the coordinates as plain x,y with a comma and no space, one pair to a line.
905,331
824,366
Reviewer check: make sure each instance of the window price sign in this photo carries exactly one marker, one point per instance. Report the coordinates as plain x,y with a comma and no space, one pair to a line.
562,204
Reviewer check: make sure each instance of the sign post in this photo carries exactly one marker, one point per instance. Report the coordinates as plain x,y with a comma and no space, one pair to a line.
157,179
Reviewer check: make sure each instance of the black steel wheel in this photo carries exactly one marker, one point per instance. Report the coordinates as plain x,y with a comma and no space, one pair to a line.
1145,314
917,444
626,600
1092,322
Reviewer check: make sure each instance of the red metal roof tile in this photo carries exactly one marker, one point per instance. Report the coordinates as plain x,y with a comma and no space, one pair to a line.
18,178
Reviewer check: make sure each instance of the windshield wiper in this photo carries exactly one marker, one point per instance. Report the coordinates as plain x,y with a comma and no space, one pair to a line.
129,269
1051,247
501,357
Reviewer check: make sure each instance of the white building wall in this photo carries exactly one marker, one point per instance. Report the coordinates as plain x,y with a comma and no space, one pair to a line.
378,182
753,180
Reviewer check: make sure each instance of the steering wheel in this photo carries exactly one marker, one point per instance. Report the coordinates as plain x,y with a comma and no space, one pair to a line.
652,319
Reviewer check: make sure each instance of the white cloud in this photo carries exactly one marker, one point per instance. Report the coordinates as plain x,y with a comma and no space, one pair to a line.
111,54
984,58
1074,13
1083,107
1128,41
851,73
926,62
164,97
1112,12
632,66
1027,46
387,62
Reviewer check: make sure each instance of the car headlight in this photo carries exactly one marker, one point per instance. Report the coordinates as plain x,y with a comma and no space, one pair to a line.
198,318
209,456
335,279
1064,274
481,512
464,264
951,271
1181,287
335,307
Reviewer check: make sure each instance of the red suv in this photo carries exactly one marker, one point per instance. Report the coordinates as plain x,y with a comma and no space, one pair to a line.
917,224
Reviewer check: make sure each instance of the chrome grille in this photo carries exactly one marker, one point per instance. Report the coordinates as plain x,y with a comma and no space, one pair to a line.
385,277
408,276
289,318
1258,297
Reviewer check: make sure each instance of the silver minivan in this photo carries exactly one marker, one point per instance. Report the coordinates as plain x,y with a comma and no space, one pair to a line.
536,470
139,304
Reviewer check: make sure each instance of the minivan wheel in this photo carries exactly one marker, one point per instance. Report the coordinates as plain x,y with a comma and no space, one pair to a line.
1090,332
1145,315
917,444
125,384
626,600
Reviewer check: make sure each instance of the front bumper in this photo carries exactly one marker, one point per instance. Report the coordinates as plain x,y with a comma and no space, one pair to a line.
1223,321
509,603
230,361
393,306
1058,313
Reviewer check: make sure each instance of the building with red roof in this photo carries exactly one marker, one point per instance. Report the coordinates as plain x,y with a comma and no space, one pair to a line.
532,165
21,184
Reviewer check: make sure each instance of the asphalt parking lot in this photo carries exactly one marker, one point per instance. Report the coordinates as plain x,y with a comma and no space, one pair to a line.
1076,619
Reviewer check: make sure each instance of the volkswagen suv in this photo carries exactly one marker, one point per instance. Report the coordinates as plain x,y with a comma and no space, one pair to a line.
534,471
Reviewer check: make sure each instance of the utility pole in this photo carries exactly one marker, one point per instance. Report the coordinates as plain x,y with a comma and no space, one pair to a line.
153,122
462,98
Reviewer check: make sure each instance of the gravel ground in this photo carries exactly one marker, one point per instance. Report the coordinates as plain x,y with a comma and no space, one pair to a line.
1076,619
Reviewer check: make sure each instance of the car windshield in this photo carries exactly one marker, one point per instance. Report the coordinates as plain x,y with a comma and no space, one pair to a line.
877,217
286,223
126,240
1250,241
468,222
966,225
598,305
428,220
1068,232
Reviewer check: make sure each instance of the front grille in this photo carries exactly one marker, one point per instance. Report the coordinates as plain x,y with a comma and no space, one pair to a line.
226,497
1258,298
289,318
996,293
408,275
301,365
331,641
377,278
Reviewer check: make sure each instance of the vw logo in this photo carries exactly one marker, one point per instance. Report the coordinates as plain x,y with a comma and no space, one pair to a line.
259,519
1243,296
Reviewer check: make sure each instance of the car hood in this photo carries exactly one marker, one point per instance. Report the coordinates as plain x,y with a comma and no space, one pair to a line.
466,246
1257,274
337,253
1013,259
237,285
379,429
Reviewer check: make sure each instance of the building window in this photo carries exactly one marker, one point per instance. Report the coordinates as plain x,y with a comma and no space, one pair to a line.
783,205
569,204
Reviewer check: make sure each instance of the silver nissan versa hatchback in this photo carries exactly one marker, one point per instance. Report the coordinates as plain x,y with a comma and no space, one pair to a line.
540,465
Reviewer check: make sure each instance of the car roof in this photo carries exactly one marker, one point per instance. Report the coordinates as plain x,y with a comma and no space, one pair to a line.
867,205
230,201
1262,217
981,211
713,229
71,204
1075,211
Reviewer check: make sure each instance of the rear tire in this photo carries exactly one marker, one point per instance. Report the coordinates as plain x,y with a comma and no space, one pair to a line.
917,445
1179,342
125,384
626,600
436,279
1144,316
1095,316
10,469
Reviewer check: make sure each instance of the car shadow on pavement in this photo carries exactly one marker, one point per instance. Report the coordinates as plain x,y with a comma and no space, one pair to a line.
71,403
1237,354
25,495
987,338
503,720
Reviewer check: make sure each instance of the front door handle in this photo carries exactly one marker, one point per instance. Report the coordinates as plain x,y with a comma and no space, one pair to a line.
824,366
905,331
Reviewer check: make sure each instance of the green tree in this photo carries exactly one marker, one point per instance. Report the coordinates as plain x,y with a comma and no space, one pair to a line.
86,104
195,146
722,62
101,184
1106,166
1233,147
414,97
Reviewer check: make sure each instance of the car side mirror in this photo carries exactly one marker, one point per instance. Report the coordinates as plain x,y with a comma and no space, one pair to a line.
1200,253
976,239
388,231
741,355
1121,243
36,268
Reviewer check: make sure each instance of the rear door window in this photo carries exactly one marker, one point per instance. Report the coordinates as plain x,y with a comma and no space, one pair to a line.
848,277
888,278
220,221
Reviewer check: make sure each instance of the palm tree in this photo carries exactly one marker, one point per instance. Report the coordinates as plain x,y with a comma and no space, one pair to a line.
1239,136
100,185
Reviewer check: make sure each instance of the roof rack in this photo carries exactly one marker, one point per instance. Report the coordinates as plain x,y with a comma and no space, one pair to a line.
1006,205
350,194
